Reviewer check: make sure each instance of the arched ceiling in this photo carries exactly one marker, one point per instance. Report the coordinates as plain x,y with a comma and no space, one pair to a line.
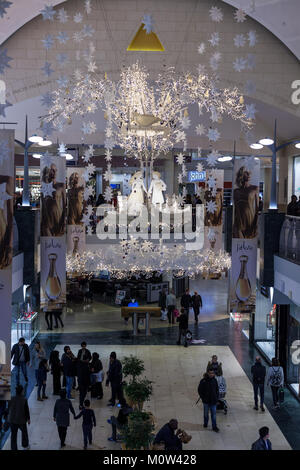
281,17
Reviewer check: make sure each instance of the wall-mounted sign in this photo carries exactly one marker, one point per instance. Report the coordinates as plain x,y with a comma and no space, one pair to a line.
194,176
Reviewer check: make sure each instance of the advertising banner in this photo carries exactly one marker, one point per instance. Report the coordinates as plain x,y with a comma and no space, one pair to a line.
6,253
76,205
53,236
213,219
246,173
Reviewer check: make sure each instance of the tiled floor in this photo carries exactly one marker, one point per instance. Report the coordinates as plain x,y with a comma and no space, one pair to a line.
176,372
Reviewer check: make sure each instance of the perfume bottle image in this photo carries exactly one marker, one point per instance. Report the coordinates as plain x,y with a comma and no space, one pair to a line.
53,285
75,245
243,286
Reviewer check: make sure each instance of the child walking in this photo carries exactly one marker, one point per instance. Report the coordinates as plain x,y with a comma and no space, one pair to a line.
88,421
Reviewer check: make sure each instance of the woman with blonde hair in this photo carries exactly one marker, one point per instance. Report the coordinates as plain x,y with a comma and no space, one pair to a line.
245,206
53,208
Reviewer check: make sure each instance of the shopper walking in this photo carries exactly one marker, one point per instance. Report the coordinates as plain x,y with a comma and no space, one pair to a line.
83,372
196,304
263,443
61,415
56,369
18,418
97,375
37,355
114,378
258,372
171,304
208,390
42,379
275,379
215,365
183,321
186,301
67,361
21,358
88,421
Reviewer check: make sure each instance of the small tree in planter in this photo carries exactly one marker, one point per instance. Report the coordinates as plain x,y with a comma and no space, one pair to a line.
137,392
138,433
133,366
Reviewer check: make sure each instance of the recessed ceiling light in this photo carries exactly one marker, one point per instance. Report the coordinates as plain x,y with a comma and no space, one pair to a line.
297,145
226,158
45,143
35,139
36,155
256,146
67,155
266,141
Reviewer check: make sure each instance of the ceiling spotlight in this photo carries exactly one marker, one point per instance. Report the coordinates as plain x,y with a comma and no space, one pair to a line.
67,155
266,141
45,143
297,145
36,155
225,159
256,146
35,139
256,158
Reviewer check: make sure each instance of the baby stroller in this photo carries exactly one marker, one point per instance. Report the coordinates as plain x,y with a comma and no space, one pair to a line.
222,403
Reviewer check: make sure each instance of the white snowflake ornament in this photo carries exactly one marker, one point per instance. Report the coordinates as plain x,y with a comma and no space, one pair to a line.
77,18
200,129
211,182
239,40
199,167
216,14
108,194
211,206
185,122
148,23
180,159
48,13
211,234
239,64
47,189
213,134
239,15
250,111
62,16
252,38
212,158
214,39
201,48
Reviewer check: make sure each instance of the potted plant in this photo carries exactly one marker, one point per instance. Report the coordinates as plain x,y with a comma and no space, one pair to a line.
138,433
133,366
137,392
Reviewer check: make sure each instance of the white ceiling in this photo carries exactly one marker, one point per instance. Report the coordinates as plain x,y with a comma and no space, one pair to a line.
281,17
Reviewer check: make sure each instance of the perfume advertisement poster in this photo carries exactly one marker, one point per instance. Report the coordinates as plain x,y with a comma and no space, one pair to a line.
75,239
246,174
53,272
6,248
53,196
243,276
213,197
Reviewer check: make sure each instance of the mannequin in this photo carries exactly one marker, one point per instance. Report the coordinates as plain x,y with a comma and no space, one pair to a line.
157,187
136,197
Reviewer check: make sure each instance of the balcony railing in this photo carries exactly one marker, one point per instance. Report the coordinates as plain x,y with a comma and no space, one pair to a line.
289,243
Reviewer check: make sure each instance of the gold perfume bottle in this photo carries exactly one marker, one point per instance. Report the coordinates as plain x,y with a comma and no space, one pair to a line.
53,285
243,286
75,245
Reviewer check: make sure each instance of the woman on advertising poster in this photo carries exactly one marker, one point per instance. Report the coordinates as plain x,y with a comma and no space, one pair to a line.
75,200
246,203
6,220
53,208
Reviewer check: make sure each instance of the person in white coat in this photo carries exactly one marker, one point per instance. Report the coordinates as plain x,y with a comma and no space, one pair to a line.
157,187
275,378
136,197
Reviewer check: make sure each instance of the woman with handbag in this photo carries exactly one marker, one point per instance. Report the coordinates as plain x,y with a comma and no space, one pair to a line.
275,378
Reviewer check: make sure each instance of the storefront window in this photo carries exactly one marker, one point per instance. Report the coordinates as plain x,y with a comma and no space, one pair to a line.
293,362
265,322
296,179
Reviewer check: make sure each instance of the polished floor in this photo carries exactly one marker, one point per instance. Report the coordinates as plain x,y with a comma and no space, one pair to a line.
176,372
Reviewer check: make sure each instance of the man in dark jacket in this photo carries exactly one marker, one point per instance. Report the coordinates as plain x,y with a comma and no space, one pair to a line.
67,361
197,304
61,416
114,378
18,418
20,358
292,206
186,301
168,436
258,372
263,443
183,321
83,372
209,393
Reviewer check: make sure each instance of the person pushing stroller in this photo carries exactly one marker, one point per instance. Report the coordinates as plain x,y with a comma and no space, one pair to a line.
222,403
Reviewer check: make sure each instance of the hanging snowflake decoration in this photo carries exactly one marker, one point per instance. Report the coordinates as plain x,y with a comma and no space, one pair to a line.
109,143
88,7
147,246
250,87
85,219
201,48
78,37
250,111
148,23
250,61
215,115
4,151
88,31
211,182
62,148
199,167
214,60
3,107
180,159
62,37
183,170
180,199
239,40
48,42
211,206
213,134
48,13
4,59
47,99
62,59
211,234
47,128
180,136
62,16
88,191
185,122
77,18
239,64
180,178
108,194
92,67
239,15
214,39
62,81
216,14
200,129
47,69
199,152
252,38
212,158
89,210
90,168
107,175
47,189
4,5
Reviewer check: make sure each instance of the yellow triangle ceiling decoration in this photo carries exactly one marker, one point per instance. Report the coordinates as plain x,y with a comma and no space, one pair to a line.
145,42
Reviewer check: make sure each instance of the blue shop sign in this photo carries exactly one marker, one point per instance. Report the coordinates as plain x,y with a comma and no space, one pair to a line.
194,176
